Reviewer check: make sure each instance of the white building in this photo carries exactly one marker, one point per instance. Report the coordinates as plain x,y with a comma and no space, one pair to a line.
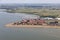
47,18
57,18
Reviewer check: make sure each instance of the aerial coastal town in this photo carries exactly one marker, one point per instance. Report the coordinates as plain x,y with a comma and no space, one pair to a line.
41,22
49,15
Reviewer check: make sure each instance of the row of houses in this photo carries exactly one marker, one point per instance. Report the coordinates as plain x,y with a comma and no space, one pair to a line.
47,18
50,18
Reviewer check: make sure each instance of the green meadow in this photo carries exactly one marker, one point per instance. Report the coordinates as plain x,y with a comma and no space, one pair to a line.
40,12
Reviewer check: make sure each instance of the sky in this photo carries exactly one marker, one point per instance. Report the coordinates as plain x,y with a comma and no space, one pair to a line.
29,1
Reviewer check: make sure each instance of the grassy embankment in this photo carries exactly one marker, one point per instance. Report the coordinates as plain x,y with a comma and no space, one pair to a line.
40,12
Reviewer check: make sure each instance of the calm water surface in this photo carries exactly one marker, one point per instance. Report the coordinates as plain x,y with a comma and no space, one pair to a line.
24,33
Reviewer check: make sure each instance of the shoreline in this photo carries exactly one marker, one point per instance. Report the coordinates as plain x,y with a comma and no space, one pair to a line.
30,26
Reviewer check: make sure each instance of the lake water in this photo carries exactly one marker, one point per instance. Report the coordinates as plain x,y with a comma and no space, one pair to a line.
24,33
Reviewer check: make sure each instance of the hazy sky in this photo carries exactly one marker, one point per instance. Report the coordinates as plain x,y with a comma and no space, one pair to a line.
29,1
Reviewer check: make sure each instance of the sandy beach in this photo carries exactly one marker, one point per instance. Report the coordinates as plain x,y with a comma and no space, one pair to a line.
30,26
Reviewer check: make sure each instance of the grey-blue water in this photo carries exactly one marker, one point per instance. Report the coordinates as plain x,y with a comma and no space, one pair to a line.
24,33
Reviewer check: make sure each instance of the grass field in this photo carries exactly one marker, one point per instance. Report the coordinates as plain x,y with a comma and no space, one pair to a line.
40,12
